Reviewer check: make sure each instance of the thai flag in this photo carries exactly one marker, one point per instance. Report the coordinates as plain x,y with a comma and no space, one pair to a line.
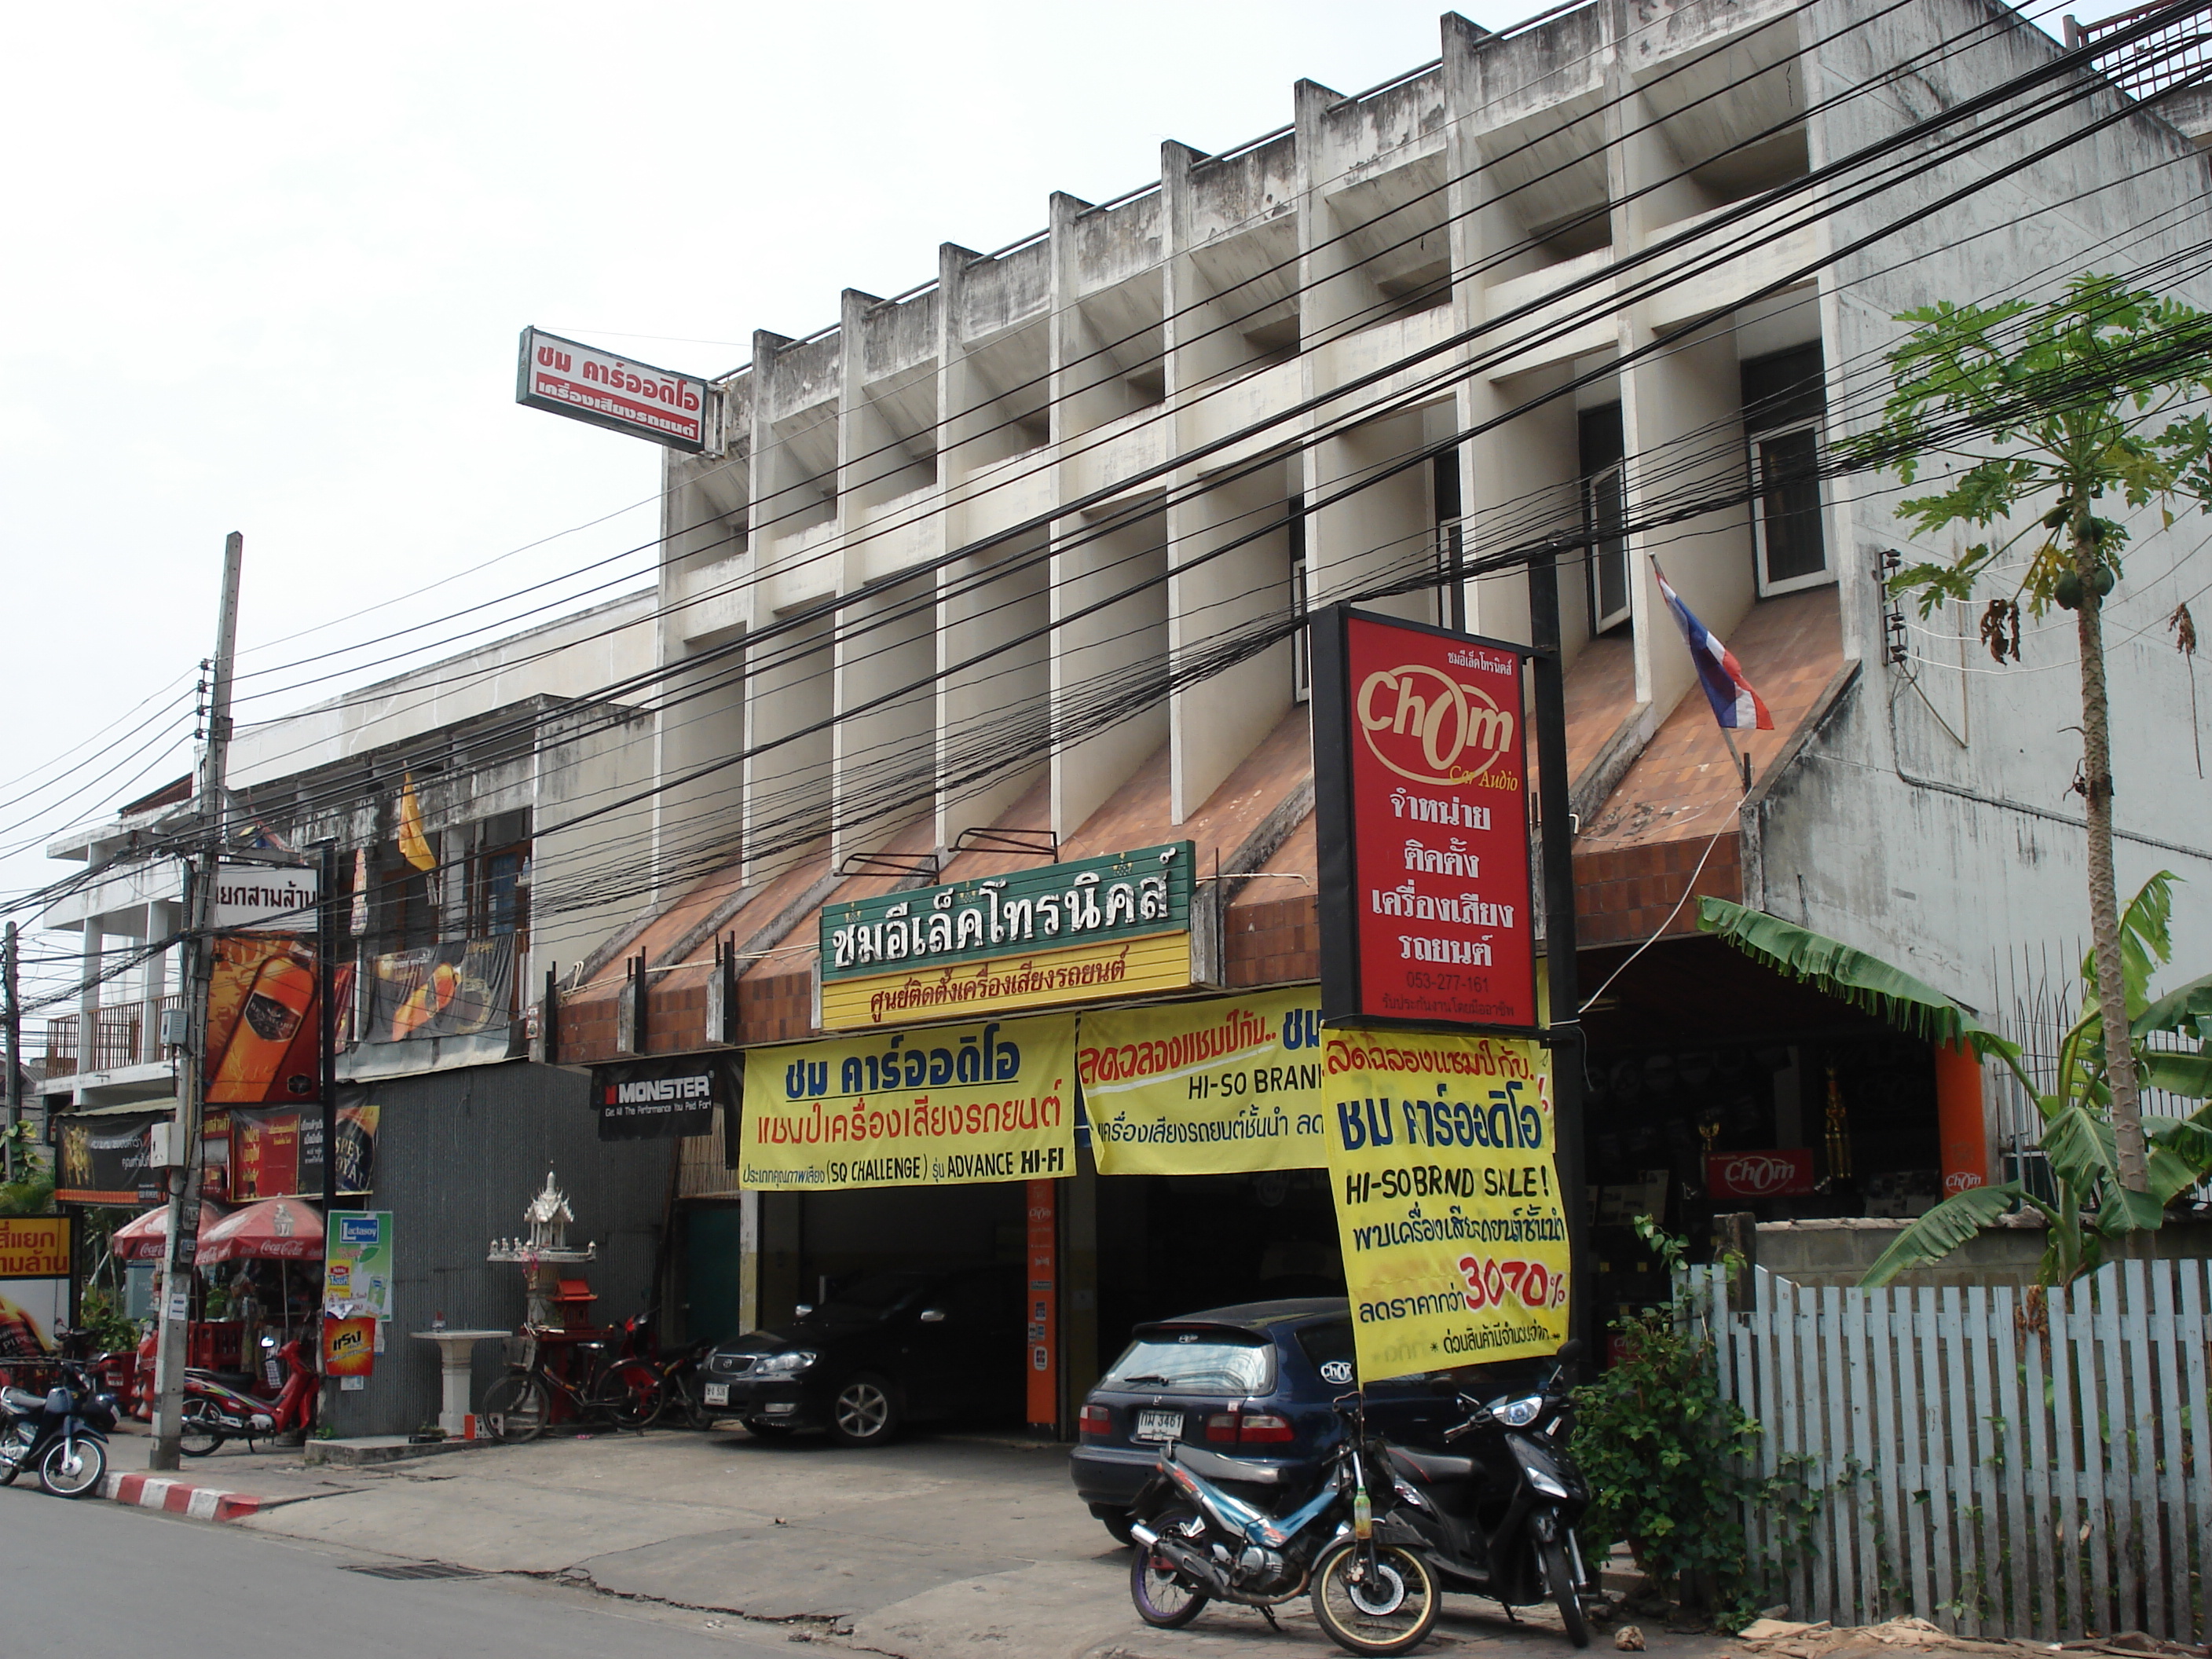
1735,704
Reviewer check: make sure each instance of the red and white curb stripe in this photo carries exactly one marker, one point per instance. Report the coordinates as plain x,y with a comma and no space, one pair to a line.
151,1491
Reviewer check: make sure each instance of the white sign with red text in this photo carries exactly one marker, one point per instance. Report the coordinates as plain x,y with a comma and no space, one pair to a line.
587,384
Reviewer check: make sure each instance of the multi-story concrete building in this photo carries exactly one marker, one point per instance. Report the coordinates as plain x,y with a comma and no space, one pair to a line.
1009,562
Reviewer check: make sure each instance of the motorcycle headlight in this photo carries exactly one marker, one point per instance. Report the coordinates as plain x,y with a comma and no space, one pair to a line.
784,1364
1517,1414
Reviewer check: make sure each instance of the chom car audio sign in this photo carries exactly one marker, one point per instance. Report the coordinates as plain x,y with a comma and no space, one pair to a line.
1420,786
1089,930
586,384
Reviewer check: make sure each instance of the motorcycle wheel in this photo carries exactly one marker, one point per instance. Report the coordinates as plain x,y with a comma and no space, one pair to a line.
630,1394
201,1431
1374,1598
1560,1580
516,1408
67,1470
1163,1597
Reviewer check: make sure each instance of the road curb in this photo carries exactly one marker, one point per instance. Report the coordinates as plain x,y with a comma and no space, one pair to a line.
153,1491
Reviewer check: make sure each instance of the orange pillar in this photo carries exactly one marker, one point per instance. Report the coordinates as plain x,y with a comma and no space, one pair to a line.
1959,1121
1043,1306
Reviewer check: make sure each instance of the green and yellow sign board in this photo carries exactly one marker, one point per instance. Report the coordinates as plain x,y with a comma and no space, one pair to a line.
1085,931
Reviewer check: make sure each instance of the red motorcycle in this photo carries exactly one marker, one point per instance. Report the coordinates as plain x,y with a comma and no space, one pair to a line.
283,1402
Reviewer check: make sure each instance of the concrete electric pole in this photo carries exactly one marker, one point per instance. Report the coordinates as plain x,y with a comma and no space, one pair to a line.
175,1311
14,1017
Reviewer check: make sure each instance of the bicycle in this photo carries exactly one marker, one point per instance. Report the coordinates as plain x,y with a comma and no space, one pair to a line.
518,1408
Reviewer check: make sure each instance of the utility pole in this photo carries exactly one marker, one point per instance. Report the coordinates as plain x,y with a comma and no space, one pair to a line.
175,1310
326,1008
14,1017
1564,1030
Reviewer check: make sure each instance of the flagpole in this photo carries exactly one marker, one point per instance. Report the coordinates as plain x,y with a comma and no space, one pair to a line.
1742,766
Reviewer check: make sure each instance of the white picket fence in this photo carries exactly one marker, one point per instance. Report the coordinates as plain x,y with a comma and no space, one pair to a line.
2002,1462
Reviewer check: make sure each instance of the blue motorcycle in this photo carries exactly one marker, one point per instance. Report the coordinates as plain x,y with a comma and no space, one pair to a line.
1212,1528
62,1433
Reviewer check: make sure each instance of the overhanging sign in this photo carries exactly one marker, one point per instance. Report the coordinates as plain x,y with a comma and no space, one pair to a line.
265,898
650,1099
1085,931
1420,791
619,393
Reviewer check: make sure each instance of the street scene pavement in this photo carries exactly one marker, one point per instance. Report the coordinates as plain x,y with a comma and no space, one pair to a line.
932,1548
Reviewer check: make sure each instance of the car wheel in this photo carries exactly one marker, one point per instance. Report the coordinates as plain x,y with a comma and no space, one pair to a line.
864,1410
1116,1522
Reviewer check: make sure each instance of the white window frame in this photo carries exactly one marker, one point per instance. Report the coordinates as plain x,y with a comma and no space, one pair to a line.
1825,575
1300,641
1606,623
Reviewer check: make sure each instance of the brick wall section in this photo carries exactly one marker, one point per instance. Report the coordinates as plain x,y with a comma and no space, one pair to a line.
776,1010
1622,894
1274,943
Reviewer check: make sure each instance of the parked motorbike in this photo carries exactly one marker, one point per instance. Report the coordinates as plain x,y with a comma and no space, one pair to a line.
62,1433
290,1382
1213,1528
1500,1520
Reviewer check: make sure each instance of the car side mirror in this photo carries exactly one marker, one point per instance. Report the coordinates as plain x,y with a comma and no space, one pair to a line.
932,1315
802,1310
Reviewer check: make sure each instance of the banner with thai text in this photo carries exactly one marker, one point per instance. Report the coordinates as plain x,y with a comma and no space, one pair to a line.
1448,1202
1219,1087
952,1104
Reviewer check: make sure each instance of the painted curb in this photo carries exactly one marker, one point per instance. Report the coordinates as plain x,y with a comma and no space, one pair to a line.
150,1491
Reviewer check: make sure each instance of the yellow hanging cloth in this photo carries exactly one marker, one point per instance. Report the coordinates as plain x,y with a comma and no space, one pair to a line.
414,846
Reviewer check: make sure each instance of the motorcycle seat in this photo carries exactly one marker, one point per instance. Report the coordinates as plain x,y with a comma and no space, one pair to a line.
1432,1467
1213,1466
22,1400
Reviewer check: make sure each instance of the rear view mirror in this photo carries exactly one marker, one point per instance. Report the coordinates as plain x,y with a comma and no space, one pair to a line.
932,1315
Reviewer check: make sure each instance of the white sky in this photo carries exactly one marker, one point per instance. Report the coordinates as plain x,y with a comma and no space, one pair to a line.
268,264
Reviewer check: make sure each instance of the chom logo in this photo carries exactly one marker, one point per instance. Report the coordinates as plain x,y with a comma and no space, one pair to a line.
1427,726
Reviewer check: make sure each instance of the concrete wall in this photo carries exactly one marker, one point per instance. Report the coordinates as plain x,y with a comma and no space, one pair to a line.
1839,1252
459,1154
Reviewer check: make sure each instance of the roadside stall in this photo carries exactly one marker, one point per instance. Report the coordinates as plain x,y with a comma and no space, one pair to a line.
145,1238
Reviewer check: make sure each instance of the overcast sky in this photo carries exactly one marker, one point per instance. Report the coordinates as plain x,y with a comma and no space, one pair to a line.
268,264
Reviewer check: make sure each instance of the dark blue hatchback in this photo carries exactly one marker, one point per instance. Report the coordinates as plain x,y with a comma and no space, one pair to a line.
1253,1381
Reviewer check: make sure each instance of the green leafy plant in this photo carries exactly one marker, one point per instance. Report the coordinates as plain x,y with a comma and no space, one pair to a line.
99,1317
2039,412
1670,1460
29,1188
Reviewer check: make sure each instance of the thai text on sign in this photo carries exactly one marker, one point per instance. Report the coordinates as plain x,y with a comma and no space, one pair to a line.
1217,1087
953,1104
1448,1202
1421,775
586,384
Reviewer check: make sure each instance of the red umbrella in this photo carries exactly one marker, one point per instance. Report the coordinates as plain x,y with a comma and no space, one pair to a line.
147,1238
275,1229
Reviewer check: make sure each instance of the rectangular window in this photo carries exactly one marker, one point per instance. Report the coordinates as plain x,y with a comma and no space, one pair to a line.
1784,401
1300,641
1605,513
501,895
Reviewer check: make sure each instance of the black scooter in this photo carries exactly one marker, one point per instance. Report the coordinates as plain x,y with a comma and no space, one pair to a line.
1500,1520
62,1433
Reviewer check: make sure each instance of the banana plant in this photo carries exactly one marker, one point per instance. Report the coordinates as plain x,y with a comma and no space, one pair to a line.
2091,1208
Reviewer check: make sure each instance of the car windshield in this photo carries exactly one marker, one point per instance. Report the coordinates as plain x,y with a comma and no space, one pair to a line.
873,1295
1194,1363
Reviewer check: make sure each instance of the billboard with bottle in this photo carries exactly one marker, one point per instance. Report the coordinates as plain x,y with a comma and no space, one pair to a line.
265,1020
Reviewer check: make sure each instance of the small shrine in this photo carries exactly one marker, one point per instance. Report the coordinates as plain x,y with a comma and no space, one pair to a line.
542,1255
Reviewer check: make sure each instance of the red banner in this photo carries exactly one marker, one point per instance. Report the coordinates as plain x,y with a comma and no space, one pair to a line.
1421,773
1779,1172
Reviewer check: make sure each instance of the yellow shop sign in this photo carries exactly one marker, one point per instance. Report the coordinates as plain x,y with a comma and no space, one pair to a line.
943,1107
1441,1151
1219,1087
1043,979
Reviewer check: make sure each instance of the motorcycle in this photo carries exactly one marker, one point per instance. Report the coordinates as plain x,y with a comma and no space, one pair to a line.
215,1412
1500,1520
63,1433
1213,1528
290,1382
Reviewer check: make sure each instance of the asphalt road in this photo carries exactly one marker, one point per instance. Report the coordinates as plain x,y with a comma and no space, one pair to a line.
93,1580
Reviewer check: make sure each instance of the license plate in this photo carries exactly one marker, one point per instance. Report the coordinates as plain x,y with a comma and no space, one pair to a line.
1159,1426
718,1394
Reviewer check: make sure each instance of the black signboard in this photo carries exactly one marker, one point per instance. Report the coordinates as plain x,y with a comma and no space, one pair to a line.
655,1099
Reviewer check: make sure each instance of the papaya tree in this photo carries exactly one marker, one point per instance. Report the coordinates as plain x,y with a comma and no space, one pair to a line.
2038,419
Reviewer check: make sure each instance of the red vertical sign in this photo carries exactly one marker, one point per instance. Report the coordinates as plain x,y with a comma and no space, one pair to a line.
1041,1305
1421,776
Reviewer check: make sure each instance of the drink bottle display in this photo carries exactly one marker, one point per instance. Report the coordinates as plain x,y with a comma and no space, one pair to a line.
276,1005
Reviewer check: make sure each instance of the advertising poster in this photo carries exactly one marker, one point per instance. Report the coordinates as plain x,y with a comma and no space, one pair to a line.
953,1104
36,1255
567,377
265,1020
1420,791
278,1152
357,1266
1447,1203
661,1099
457,989
349,1346
103,1160
1205,1088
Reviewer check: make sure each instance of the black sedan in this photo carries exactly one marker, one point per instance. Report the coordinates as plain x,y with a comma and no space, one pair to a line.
889,1349
1256,1381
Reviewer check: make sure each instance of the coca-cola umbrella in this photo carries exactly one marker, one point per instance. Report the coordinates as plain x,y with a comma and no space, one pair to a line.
147,1238
275,1229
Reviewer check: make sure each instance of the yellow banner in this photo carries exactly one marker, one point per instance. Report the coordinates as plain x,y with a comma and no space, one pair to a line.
1448,1202
1216,1087
988,1102
1036,979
